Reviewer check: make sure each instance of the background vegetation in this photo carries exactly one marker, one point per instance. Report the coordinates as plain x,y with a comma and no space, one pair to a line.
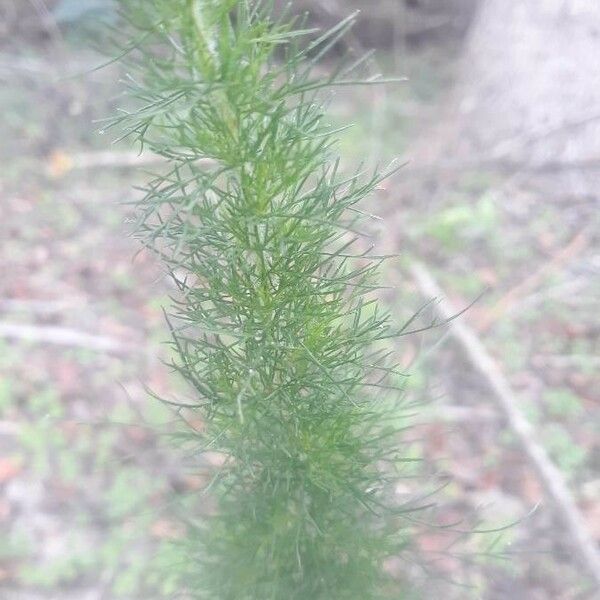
86,486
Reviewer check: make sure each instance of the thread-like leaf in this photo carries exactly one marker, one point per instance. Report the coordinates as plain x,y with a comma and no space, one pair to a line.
276,327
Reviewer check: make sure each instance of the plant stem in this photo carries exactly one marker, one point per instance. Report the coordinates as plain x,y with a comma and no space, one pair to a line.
277,328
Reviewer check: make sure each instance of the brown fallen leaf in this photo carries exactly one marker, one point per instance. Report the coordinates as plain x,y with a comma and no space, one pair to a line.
5,511
591,512
167,530
59,163
9,468
531,489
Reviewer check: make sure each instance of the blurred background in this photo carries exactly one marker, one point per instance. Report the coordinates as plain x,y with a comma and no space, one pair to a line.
499,123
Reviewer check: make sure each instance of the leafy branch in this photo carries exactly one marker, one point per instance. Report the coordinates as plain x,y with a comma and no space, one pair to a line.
276,325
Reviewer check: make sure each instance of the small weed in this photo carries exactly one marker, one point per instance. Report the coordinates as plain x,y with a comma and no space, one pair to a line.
562,403
565,451
462,222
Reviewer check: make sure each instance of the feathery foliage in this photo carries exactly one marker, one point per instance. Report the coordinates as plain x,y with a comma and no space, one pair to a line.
275,325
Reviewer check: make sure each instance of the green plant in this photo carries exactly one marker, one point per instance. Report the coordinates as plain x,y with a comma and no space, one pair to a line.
276,326
463,221
563,403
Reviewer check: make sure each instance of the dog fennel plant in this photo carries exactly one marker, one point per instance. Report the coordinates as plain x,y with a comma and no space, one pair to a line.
275,325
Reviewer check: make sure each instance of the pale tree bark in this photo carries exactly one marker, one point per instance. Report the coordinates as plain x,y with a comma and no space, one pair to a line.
529,87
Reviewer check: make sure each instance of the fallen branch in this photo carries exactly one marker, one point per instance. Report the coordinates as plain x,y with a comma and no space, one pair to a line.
61,336
40,307
502,165
61,162
109,159
507,401
8,428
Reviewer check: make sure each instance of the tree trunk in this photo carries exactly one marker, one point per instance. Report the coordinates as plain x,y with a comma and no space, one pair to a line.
529,89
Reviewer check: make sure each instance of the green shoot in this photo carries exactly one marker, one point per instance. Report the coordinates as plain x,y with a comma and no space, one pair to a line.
276,325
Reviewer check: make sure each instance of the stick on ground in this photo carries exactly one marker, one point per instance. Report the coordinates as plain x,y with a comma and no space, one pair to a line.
61,336
507,401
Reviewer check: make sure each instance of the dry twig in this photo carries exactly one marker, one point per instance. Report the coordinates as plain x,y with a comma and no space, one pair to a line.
61,162
507,401
61,336
40,307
